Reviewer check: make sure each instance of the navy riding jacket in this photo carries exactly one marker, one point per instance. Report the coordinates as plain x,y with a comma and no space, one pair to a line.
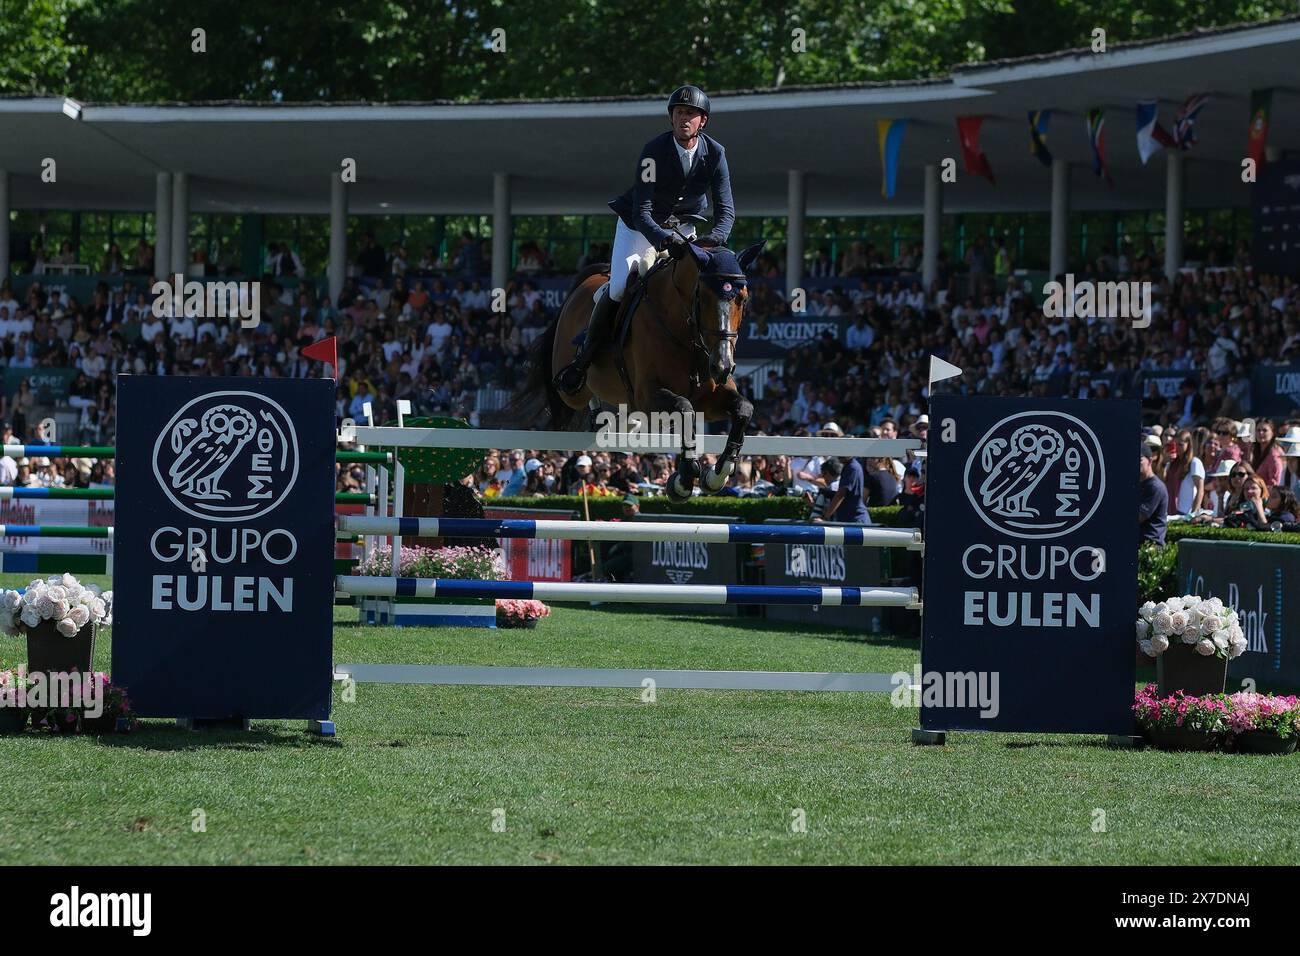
648,204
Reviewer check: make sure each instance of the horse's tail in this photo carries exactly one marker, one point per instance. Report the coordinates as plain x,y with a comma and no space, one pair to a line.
538,398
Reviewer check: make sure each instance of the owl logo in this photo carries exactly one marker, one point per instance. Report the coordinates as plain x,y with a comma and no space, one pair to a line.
227,456
1036,475
206,449
1016,467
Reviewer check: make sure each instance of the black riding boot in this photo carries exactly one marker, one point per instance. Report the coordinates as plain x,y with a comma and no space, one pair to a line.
573,376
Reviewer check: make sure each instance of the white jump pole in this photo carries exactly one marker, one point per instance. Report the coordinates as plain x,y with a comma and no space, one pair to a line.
399,480
636,442
716,533
362,586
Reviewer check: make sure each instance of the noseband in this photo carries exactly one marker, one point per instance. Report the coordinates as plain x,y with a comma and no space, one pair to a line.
698,332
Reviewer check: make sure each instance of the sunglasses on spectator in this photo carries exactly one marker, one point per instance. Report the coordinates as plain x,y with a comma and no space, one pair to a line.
1237,474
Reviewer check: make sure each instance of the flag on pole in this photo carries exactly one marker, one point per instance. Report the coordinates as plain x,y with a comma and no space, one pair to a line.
1185,121
977,164
940,370
326,350
1261,101
1097,140
1151,135
890,133
1038,120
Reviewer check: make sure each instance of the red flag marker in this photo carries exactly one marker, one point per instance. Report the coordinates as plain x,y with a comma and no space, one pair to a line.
326,350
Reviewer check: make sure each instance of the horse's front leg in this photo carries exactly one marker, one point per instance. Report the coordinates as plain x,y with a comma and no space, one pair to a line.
739,410
682,482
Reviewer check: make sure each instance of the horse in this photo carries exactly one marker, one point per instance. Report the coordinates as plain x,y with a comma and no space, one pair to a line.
678,355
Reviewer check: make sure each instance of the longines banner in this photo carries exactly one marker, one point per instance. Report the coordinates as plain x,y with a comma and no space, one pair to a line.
687,562
826,565
1030,565
1167,383
1275,389
1261,582
775,336
223,597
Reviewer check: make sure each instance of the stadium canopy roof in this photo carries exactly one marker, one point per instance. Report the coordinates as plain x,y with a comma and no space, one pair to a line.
570,156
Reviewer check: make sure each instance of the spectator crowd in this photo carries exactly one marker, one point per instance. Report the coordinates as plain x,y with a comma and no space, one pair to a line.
429,330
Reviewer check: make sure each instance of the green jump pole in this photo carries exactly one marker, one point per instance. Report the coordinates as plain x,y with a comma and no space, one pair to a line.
53,531
107,451
106,494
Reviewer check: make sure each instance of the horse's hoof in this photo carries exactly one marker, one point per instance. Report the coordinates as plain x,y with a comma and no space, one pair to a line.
711,481
677,489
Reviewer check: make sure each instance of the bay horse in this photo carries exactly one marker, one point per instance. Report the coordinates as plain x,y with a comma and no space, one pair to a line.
679,353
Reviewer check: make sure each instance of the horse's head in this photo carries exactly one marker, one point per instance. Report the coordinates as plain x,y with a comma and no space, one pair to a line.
722,294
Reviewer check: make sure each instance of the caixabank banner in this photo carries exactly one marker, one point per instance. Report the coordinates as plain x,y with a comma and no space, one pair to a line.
1261,582
223,591
1030,587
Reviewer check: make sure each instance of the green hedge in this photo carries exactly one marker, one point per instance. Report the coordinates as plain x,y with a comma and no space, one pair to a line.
1177,533
1158,567
747,510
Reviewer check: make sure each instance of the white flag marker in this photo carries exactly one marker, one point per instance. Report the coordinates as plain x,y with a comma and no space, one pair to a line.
940,370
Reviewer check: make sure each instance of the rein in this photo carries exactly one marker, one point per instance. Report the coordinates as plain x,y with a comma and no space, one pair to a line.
696,327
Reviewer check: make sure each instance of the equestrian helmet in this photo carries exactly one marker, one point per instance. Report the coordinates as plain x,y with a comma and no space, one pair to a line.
689,96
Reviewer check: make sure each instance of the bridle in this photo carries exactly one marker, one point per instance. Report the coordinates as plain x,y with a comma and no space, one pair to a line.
693,321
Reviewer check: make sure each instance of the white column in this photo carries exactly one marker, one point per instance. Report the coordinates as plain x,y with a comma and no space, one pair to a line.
162,220
932,213
180,223
4,224
500,230
1060,227
338,266
1174,162
796,207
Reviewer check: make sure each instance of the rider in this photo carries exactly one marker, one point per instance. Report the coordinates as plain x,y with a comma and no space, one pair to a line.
676,170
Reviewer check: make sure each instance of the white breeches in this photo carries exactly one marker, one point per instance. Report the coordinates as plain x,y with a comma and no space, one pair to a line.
630,245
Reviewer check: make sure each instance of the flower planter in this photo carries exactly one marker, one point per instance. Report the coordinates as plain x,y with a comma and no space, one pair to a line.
1182,668
1264,742
505,622
1181,738
51,652
12,719
105,723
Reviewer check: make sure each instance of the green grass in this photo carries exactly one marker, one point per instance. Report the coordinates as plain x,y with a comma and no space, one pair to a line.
597,776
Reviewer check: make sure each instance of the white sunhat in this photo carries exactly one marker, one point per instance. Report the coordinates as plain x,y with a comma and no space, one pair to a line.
1224,469
583,460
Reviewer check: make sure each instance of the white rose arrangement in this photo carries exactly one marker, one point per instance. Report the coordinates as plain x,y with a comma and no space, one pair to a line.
1206,624
60,598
